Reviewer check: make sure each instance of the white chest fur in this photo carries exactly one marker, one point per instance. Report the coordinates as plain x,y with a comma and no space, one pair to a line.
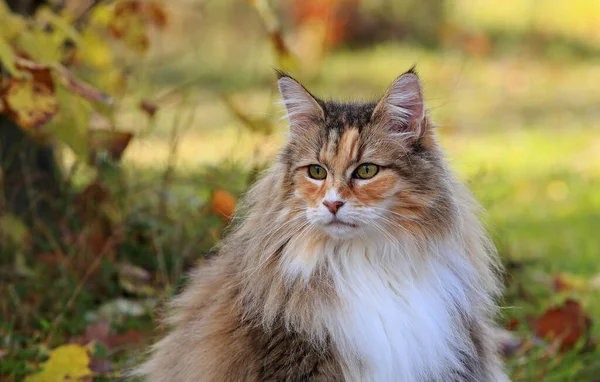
396,318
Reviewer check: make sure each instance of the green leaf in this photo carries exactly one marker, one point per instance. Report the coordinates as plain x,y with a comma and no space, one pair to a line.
42,47
60,24
7,58
72,126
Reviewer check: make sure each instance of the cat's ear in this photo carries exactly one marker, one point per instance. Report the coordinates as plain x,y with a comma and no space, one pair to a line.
302,108
402,108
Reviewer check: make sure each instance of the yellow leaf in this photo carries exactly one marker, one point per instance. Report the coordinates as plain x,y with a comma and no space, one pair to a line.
66,363
95,50
101,14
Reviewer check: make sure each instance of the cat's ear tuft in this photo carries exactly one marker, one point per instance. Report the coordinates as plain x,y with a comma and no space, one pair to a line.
402,107
302,108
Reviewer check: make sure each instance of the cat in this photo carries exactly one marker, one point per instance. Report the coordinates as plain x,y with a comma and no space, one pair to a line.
359,258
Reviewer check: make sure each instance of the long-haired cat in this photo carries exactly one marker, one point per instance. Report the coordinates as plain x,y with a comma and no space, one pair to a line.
359,258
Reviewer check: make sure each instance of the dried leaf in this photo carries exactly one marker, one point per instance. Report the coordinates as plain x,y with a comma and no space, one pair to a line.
30,102
149,107
156,13
223,204
565,324
513,324
98,332
110,141
562,282
66,363
128,25
130,339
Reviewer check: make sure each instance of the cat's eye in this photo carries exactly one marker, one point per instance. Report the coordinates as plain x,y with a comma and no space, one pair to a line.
317,172
366,171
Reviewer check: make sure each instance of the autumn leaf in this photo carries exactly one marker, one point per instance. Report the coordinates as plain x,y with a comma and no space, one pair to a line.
566,324
30,102
129,26
562,282
97,332
66,363
130,339
223,204
148,107
156,14
112,142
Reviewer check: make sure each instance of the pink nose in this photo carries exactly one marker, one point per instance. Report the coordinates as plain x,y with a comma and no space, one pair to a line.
333,207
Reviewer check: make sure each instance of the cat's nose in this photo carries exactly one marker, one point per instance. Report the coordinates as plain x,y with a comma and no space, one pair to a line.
333,207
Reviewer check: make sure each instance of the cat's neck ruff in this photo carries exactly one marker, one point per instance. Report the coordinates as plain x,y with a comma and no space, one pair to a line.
397,304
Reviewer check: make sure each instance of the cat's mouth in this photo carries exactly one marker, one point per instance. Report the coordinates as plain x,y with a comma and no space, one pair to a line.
335,222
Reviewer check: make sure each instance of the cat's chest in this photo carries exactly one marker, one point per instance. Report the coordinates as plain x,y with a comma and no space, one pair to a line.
394,331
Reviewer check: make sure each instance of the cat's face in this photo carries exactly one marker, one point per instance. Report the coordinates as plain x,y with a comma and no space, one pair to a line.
359,168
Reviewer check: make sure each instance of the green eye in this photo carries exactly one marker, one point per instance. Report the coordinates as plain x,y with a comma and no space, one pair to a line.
366,171
317,172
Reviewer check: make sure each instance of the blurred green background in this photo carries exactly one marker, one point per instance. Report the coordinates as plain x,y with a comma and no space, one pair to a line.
514,86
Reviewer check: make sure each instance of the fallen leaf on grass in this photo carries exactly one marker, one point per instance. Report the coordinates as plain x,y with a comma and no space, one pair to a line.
130,339
66,363
223,204
566,324
562,282
99,332
513,324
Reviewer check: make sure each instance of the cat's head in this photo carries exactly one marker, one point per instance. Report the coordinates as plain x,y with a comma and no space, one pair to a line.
355,168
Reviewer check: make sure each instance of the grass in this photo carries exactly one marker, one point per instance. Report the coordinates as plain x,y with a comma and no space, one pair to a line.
521,130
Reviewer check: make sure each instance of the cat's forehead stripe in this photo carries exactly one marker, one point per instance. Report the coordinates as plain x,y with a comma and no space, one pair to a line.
348,144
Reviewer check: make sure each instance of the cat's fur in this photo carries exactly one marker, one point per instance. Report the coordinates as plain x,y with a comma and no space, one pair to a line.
403,292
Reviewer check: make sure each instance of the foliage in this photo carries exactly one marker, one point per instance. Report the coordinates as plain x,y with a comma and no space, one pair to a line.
39,56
